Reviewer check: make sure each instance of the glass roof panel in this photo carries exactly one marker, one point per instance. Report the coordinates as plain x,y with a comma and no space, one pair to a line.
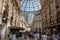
30,5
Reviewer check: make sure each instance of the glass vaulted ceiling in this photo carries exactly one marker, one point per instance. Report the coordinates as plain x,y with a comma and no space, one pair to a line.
30,5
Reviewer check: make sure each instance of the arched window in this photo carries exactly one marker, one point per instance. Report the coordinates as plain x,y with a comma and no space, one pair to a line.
51,20
11,20
58,17
5,16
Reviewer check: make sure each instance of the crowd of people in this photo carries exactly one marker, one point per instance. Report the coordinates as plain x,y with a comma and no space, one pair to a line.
39,36
44,36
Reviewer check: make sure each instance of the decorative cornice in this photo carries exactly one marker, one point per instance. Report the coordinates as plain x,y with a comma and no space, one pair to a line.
15,3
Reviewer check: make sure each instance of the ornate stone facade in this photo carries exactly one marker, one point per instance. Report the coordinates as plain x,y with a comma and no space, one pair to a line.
49,11
9,16
37,23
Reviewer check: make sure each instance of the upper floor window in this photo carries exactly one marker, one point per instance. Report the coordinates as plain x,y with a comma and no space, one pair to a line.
11,20
51,20
43,24
15,22
45,14
49,9
22,25
46,22
58,17
39,17
56,1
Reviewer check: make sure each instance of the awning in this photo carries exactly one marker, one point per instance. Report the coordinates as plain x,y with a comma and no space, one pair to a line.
53,26
16,28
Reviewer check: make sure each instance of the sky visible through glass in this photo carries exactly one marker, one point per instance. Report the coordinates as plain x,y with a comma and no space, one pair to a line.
30,5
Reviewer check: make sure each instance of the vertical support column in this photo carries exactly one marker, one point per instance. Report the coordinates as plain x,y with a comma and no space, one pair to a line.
0,23
7,28
0,18
54,11
8,22
0,11
14,17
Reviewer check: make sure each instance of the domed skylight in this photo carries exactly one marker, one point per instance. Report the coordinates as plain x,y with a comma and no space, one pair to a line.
30,5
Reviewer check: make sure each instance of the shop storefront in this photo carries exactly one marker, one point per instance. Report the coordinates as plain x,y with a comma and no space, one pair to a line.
16,30
55,28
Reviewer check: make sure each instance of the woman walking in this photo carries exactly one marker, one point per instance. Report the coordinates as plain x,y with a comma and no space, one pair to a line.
44,36
13,37
37,36
54,36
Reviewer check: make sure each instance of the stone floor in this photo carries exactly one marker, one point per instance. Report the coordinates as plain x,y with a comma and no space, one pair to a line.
17,38
25,39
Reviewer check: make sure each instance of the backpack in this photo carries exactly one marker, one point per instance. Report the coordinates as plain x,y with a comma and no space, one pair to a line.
59,34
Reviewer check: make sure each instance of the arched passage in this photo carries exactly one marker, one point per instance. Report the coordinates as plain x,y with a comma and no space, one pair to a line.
4,21
58,17
5,16
58,21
